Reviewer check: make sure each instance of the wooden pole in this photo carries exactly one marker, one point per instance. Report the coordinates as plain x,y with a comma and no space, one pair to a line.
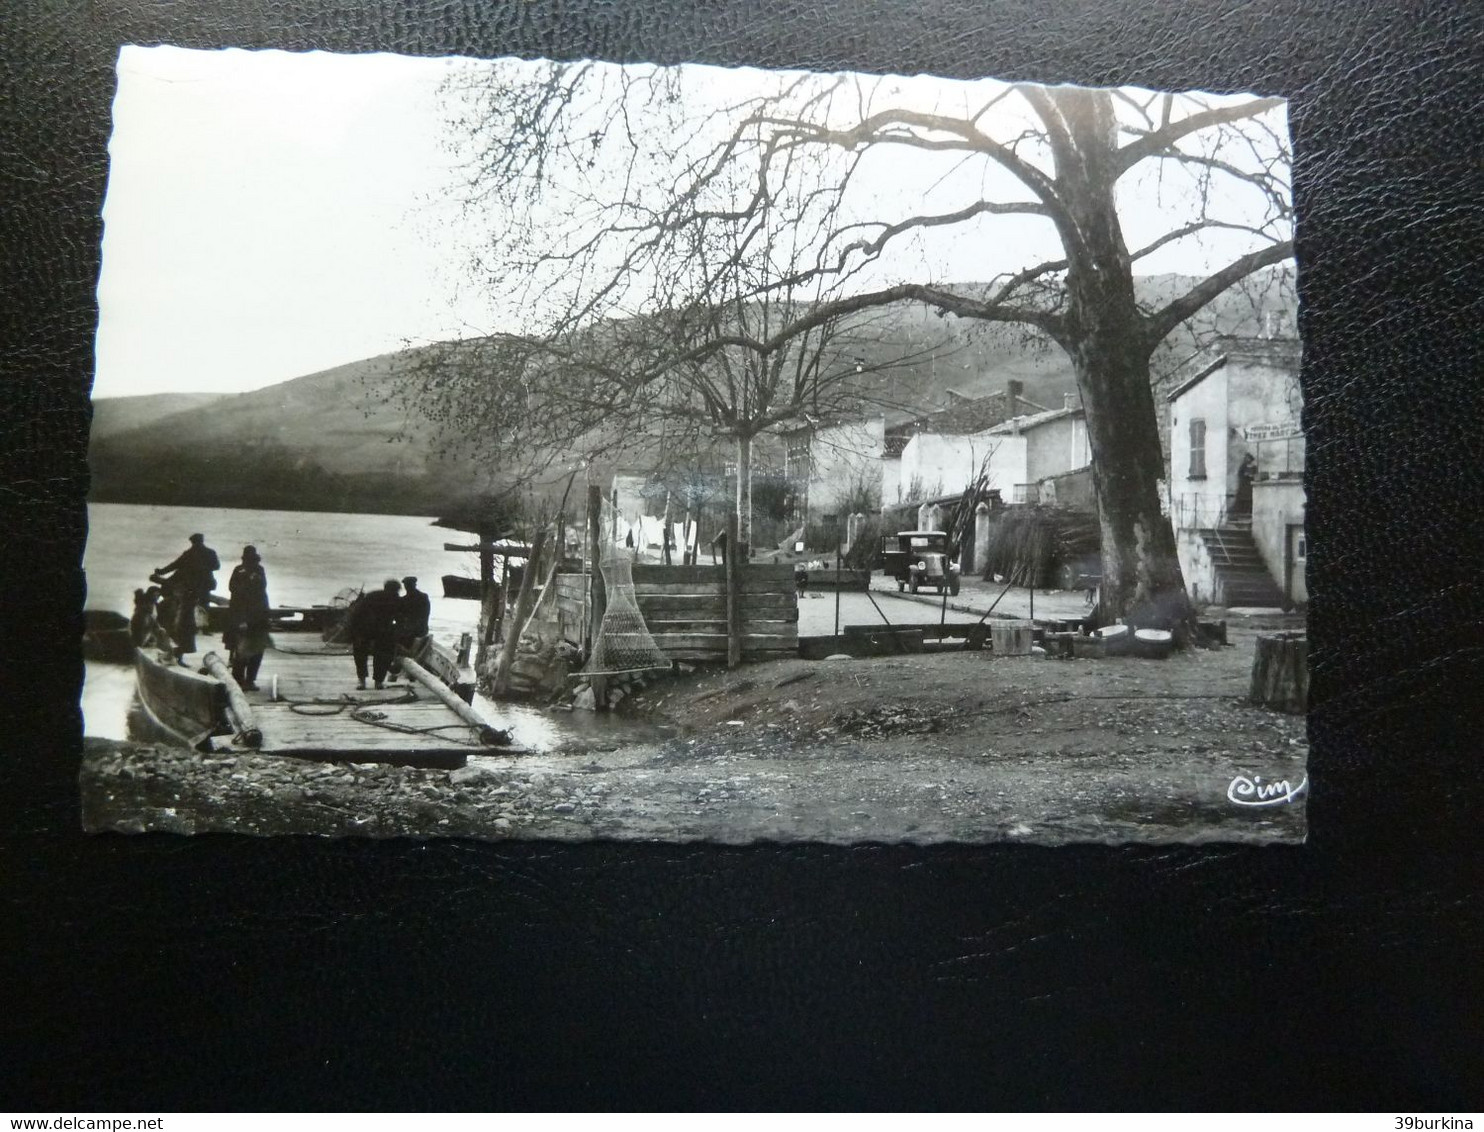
598,684
837,588
665,530
595,537
239,711
503,598
734,592
486,559
489,736
521,613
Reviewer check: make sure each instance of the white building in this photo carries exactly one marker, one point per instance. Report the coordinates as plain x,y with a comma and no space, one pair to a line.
1240,545
834,462
933,464
1054,443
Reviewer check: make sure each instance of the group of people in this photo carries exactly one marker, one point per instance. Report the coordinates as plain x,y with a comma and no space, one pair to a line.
165,614
381,621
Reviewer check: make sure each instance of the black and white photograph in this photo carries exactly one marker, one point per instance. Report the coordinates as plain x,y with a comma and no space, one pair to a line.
524,449
874,625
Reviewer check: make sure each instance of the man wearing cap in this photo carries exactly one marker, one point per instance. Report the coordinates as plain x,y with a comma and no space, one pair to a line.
412,618
372,627
190,579
194,571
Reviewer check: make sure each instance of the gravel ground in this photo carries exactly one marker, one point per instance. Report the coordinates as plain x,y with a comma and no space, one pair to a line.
955,746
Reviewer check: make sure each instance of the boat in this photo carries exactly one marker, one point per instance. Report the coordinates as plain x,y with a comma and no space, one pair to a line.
105,636
458,586
306,705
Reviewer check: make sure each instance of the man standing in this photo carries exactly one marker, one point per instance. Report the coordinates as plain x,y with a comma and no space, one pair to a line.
1246,475
191,578
247,627
413,614
373,631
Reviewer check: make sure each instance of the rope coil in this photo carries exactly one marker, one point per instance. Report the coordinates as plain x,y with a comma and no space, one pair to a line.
364,711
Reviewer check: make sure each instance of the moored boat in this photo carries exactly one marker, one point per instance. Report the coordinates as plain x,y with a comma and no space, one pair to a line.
105,636
458,586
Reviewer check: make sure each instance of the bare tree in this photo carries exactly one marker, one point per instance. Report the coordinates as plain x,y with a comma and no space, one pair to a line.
727,348
602,176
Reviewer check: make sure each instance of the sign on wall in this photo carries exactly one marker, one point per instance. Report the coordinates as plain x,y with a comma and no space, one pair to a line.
1272,430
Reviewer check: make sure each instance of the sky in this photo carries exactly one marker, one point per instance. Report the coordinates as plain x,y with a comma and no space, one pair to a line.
269,215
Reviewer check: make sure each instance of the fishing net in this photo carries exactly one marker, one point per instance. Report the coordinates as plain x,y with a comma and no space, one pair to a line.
623,642
338,621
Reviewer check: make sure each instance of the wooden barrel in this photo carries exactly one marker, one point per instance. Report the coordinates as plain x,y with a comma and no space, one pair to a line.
1155,644
1012,639
1117,639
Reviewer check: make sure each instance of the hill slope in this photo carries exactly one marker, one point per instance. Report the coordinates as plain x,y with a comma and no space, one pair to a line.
113,415
341,440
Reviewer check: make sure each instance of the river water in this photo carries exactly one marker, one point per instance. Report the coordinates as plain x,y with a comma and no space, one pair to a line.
309,557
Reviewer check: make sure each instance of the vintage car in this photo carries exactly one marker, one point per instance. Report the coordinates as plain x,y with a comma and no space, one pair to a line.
920,558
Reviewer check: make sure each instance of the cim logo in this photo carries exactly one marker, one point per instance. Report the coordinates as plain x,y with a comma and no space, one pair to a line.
1253,791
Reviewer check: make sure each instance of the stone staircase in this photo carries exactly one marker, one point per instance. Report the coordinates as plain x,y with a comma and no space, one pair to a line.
1240,571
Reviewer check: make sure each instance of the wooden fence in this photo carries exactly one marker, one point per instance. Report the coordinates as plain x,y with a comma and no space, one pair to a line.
685,608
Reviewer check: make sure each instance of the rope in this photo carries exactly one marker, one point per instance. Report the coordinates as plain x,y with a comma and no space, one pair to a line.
363,711
378,719
319,651
344,701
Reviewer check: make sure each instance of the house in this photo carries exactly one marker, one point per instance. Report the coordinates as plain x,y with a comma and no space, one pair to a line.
1239,545
943,451
834,464
933,464
1053,444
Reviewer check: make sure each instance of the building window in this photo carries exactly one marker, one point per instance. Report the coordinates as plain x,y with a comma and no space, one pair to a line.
1300,546
1197,450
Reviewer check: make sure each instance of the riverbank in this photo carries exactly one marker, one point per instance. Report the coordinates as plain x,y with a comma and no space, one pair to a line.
949,747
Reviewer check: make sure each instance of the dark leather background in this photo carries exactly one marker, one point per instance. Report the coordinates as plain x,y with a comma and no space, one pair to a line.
158,972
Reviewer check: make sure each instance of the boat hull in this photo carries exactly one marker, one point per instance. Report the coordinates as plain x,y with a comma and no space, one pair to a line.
178,706
458,587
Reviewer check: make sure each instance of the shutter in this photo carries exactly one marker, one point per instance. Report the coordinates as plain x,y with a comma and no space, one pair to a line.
1197,449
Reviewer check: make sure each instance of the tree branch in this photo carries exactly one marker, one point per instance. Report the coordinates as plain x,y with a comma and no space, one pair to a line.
1166,136
1163,321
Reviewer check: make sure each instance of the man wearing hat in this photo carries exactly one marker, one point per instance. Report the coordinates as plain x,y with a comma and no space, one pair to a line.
412,618
247,621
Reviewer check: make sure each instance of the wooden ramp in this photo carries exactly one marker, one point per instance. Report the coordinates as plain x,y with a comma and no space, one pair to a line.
319,714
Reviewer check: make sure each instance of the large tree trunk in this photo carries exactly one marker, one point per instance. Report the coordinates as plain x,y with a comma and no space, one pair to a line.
1142,583
1106,338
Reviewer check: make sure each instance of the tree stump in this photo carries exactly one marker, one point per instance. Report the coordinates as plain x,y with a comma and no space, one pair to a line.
1280,673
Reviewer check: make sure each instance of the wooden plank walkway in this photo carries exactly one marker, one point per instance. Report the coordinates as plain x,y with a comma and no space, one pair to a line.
320,714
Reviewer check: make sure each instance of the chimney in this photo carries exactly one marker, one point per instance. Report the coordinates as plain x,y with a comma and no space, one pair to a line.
1069,400
1014,389
1275,324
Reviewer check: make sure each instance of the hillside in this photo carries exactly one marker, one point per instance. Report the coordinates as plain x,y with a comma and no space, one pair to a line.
341,440
113,415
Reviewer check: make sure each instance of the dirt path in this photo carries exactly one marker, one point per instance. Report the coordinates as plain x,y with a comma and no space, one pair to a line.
956,746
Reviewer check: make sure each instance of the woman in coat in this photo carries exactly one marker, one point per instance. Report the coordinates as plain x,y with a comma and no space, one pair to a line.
247,628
